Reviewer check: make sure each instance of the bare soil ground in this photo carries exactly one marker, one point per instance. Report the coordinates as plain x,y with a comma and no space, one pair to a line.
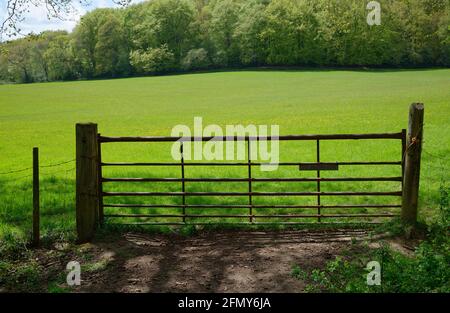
220,261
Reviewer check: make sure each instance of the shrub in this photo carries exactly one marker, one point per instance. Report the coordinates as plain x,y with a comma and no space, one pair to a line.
427,271
153,60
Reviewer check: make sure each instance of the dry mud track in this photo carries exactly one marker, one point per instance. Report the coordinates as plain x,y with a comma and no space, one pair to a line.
220,261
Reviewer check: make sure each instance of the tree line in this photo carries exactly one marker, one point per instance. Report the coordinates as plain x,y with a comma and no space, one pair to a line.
162,36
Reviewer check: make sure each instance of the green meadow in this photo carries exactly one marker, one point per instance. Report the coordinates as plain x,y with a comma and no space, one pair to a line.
300,102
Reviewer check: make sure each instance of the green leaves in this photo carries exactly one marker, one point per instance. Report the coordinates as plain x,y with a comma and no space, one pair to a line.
154,60
233,33
426,271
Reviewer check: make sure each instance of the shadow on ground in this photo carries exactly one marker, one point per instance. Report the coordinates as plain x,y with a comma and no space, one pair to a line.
225,261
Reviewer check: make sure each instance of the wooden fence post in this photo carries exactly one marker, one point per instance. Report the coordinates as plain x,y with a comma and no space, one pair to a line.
86,181
36,234
412,164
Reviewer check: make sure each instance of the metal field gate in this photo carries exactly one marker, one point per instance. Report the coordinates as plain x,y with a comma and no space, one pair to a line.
97,200
185,212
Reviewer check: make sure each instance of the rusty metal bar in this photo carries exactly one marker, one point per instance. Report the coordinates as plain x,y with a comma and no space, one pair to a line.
242,163
250,181
100,183
369,163
312,193
105,139
334,224
287,179
318,177
134,205
330,206
248,216
243,206
403,153
183,187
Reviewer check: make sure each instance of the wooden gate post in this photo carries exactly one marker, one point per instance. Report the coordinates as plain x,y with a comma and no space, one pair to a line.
86,181
36,203
411,161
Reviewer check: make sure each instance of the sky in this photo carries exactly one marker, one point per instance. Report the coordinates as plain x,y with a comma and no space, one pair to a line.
36,20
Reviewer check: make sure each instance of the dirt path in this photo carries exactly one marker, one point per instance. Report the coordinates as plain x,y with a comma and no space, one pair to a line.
224,261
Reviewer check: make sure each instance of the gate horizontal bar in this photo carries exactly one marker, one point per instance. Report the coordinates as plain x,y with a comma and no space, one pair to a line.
241,163
243,206
288,179
335,224
104,139
253,216
312,193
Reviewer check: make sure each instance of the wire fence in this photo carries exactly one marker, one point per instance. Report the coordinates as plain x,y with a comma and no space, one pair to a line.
40,166
29,175
432,155
442,164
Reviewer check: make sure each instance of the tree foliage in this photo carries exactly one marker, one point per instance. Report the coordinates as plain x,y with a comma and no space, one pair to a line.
174,35
153,60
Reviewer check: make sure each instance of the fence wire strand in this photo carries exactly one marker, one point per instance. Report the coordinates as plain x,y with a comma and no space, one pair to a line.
55,172
16,171
57,164
44,173
40,166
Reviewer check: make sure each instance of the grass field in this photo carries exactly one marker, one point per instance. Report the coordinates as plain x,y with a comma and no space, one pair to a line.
301,102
